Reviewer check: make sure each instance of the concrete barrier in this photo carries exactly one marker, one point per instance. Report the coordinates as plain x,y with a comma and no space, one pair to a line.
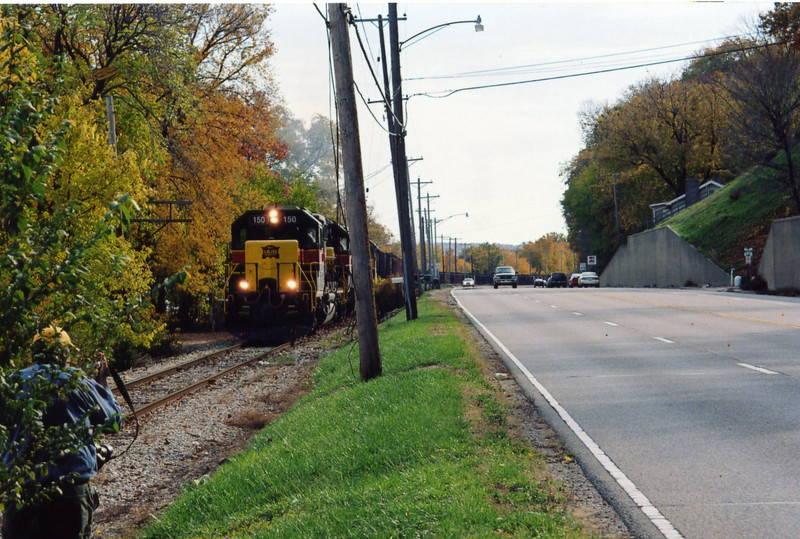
660,258
780,261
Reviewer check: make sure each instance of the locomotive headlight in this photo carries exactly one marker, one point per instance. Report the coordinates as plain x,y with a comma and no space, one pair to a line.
244,285
273,216
291,284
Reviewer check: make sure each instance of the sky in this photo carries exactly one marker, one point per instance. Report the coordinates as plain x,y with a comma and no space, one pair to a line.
493,153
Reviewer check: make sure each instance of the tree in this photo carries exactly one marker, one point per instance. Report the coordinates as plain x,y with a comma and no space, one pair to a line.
311,156
486,256
47,255
783,23
666,128
764,94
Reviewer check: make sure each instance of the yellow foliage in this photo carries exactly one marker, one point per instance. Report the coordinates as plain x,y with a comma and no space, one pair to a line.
91,174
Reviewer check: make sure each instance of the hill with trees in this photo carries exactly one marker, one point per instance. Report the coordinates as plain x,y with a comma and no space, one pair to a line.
733,110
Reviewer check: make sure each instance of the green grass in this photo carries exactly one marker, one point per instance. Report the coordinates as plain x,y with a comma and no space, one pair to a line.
424,450
736,217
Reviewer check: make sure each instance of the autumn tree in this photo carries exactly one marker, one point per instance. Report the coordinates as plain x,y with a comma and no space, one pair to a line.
783,23
311,157
664,128
193,101
764,97
485,257
63,260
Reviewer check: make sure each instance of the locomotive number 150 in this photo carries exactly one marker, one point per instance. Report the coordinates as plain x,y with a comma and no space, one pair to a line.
262,219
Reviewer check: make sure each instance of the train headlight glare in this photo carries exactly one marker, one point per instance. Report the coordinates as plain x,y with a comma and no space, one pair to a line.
244,285
291,284
273,216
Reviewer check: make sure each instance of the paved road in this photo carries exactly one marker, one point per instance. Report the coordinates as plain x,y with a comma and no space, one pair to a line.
689,398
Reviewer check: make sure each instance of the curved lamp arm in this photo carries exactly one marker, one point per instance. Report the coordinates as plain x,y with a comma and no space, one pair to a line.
476,22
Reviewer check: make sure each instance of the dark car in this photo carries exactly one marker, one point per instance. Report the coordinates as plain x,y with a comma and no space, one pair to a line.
505,275
557,280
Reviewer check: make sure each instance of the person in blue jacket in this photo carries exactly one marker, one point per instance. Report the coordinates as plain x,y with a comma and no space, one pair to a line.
87,408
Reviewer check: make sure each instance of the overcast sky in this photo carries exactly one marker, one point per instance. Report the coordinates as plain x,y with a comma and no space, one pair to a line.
495,153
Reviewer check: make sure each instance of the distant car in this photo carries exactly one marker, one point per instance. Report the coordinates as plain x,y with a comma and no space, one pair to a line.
468,282
573,279
557,280
589,278
505,275
539,283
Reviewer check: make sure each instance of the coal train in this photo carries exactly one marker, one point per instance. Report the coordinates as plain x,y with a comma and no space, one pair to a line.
290,267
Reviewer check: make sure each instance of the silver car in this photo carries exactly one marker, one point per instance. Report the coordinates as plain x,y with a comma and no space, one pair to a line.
504,275
589,278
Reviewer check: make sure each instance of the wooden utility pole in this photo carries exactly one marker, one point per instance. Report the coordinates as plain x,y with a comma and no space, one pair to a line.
423,265
355,198
401,170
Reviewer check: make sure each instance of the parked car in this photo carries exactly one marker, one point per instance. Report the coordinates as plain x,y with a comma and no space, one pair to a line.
504,275
468,282
589,278
573,279
557,280
539,282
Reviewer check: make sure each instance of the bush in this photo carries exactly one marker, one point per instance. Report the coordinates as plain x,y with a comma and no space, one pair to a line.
388,297
755,284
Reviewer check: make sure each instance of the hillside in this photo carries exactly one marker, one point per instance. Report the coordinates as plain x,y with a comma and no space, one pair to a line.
736,217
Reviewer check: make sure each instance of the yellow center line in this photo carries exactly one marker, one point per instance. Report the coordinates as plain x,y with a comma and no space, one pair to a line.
701,311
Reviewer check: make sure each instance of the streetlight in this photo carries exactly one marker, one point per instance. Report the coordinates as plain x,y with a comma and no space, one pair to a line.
477,22
402,184
465,214
437,221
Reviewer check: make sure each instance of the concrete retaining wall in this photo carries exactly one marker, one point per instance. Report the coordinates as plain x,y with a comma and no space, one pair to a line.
780,261
661,258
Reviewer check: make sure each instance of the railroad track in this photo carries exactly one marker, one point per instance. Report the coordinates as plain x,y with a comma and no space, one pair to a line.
160,388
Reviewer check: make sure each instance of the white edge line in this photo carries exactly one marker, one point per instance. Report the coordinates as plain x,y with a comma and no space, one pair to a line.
638,497
759,369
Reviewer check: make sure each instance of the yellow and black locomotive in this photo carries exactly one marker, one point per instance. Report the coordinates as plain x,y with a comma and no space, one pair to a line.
289,267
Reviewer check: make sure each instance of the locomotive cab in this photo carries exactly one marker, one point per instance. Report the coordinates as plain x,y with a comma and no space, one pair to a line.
277,271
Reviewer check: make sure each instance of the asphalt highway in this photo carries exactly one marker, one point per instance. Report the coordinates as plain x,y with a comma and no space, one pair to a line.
682,405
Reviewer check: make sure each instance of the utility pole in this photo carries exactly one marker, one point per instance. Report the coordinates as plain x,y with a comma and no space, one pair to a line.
355,201
443,259
431,242
401,170
455,253
423,262
431,236
449,255
417,267
616,212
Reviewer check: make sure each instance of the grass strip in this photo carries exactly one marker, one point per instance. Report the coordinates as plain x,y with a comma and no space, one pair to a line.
424,450
738,216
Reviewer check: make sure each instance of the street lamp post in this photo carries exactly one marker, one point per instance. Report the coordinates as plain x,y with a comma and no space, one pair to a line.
402,183
437,221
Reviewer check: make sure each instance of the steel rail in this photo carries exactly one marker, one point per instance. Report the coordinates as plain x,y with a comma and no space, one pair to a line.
191,388
176,368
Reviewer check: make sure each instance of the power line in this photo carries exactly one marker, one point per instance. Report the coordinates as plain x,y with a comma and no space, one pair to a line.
506,70
366,103
333,112
384,97
448,93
